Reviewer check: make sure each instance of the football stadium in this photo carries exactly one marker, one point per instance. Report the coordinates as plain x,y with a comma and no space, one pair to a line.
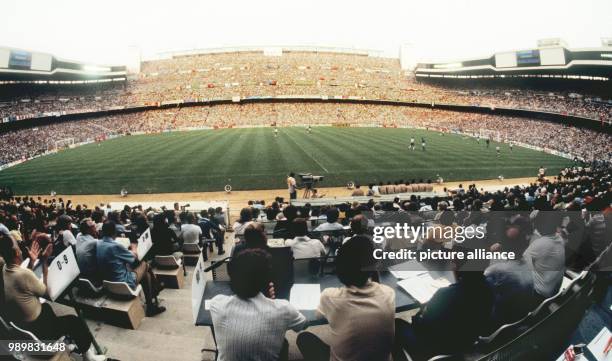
199,200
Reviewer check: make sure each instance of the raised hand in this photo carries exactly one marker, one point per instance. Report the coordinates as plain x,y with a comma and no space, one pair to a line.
33,252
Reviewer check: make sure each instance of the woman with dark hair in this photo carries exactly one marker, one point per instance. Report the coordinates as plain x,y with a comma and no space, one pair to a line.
254,237
246,218
114,216
283,226
249,323
361,302
22,290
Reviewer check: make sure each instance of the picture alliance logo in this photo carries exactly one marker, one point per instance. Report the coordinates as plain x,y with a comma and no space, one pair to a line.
458,234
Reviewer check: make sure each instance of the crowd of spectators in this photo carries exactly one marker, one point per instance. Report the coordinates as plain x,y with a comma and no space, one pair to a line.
554,223
585,144
251,74
550,225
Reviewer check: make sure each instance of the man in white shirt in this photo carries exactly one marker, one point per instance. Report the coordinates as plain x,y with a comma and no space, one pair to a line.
292,186
546,255
332,221
303,246
249,325
190,232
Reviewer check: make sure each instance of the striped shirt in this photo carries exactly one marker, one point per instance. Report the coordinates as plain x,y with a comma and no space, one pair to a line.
252,329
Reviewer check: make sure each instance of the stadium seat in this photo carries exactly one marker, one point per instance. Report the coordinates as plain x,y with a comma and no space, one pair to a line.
170,271
124,308
121,289
306,268
552,322
86,287
191,253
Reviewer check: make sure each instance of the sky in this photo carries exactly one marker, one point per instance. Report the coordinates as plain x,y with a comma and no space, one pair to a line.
102,32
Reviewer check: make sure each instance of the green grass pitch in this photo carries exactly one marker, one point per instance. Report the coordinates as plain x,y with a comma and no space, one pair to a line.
253,158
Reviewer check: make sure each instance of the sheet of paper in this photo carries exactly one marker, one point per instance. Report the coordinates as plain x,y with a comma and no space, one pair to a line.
305,296
402,275
422,287
125,242
207,305
407,270
598,345
145,242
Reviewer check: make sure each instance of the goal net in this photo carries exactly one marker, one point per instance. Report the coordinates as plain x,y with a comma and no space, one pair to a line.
490,134
60,144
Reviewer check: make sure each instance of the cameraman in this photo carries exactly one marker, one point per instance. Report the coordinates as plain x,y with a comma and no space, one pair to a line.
292,186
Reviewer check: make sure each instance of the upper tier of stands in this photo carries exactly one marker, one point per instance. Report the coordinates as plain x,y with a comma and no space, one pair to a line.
252,74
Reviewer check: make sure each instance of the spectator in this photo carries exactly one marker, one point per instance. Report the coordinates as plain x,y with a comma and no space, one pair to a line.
246,218
165,240
360,314
547,255
248,324
190,233
118,264
453,318
22,290
332,222
303,246
86,249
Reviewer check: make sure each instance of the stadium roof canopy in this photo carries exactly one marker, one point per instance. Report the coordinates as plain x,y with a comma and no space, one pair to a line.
591,63
22,65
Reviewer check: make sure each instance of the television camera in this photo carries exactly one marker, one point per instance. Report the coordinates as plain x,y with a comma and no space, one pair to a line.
308,182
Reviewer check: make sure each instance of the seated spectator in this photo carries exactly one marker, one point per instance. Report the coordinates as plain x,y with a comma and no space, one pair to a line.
114,216
248,325
65,237
165,240
86,249
190,232
332,221
22,290
357,192
453,318
360,314
511,281
546,255
303,246
118,264
210,229
359,227
218,216
283,228
254,237
246,218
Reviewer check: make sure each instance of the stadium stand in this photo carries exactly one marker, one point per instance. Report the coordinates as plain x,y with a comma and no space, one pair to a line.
193,91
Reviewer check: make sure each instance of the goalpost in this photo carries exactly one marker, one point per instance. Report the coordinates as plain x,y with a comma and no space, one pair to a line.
60,144
490,134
